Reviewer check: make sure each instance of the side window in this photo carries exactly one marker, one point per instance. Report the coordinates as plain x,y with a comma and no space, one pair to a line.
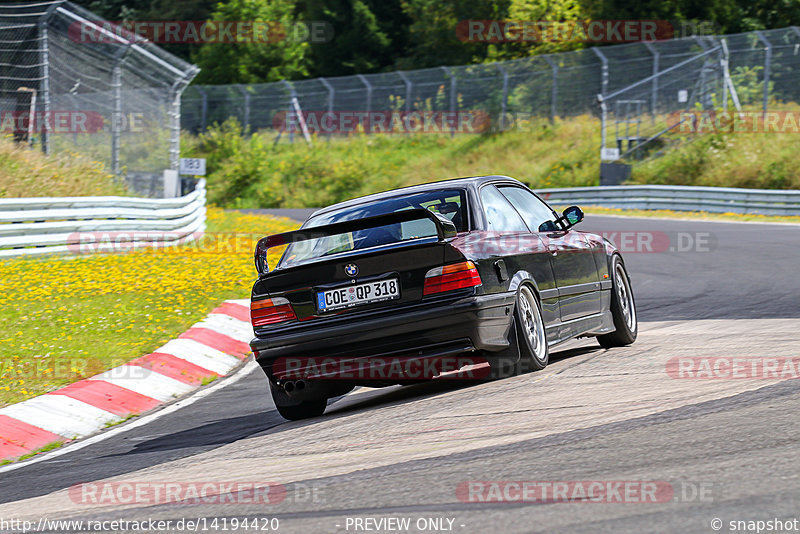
533,210
500,215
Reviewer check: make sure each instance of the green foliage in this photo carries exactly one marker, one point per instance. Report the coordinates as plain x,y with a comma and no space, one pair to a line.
251,61
725,16
363,35
433,40
26,172
749,83
384,35
539,10
252,173
762,160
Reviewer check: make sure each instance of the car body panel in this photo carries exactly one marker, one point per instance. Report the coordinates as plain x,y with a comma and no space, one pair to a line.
568,270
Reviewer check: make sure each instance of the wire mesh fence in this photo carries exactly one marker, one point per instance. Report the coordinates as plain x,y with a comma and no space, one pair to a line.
71,82
679,74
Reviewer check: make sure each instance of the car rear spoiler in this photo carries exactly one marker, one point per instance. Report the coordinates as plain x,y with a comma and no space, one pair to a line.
445,229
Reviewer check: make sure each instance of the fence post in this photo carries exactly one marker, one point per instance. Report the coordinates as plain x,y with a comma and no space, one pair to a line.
603,120
175,134
603,70
553,88
45,89
363,79
654,91
292,94
116,113
203,108
723,62
368,85
246,119
767,66
453,104
409,87
331,96
504,103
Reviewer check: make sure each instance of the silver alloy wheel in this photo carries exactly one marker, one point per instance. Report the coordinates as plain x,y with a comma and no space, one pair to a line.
532,323
625,296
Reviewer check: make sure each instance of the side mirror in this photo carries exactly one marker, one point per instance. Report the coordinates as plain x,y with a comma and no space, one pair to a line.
569,218
548,226
572,216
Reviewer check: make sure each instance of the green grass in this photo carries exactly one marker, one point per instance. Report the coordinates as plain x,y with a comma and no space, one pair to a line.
47,448
26,172
66,318
208,380
252,173
249,172
125,419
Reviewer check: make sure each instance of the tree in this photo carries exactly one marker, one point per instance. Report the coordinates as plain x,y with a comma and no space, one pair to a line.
251,60
546,11
433,33
155,11
364,35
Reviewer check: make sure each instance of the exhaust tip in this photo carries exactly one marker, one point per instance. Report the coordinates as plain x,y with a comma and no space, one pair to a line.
300,384
288,387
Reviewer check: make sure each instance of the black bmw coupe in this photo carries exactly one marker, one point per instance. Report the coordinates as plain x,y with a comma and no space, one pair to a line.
466,278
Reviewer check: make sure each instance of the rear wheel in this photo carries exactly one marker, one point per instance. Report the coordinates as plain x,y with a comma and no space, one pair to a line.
292,409
531,334
623,309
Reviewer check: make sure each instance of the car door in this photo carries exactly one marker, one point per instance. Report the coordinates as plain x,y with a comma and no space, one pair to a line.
517,249
571,256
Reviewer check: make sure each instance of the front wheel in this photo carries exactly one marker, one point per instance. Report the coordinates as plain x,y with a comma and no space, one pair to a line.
623,309
294,410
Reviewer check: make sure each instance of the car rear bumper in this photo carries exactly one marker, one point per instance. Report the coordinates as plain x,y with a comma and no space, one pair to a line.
479,322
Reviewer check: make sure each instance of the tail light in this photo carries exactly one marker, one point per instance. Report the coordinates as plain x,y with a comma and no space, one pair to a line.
450,277
271,311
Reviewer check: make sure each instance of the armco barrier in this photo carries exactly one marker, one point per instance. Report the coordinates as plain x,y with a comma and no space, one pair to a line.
31,226
679,198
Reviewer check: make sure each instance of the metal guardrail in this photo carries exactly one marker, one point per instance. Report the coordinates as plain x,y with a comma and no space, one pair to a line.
680,198
34,226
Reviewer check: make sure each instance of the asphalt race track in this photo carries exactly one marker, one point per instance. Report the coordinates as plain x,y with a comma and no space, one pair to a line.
446,456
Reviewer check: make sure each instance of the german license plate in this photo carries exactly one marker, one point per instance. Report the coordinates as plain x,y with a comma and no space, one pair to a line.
357,294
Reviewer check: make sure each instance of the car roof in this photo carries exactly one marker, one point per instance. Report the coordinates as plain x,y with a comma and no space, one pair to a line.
455,183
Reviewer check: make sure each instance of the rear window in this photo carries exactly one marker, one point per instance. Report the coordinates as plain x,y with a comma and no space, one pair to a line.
450,203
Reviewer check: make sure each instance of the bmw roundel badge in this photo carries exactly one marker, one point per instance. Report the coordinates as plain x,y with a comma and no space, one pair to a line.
351,269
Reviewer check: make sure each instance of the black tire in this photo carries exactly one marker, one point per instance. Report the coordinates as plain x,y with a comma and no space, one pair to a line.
623,309
534,354
294,410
